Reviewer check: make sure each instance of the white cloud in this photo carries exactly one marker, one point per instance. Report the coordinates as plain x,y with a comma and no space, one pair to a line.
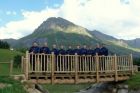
119,19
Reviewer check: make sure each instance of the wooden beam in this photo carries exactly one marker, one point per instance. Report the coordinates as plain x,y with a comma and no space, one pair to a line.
116,68
76,68
97,67
26,65
52,68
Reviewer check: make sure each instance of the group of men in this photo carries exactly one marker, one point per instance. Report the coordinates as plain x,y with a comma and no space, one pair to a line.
100,50
35,49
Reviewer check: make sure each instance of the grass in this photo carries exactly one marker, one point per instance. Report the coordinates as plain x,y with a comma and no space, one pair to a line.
65,88
134,81
14,86
8,55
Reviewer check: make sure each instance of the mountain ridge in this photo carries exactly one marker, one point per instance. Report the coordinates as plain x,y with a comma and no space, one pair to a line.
61,31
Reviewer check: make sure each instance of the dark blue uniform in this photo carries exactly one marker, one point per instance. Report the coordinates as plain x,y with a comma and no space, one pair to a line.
83,51
56,52
104,51
78,51
62,52
97,50
34,50
70,52
90,52
45,50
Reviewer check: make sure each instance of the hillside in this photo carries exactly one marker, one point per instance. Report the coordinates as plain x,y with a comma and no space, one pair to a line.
63,32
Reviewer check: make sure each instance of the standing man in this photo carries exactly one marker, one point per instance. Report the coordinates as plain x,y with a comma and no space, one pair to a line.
44,50
97,50
69,61
104,50
56,52
70,51
34,49
77,50
61,58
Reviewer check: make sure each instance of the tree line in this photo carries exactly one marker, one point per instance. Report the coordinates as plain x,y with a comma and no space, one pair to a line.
4,45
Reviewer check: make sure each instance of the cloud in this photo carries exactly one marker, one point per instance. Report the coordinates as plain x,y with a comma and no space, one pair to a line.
117,18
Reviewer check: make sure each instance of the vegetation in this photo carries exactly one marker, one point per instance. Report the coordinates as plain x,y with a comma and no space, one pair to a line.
65,88
4,45
11,86
6,56
134,81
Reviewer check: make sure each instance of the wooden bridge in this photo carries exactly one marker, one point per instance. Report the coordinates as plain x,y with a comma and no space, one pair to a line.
48,68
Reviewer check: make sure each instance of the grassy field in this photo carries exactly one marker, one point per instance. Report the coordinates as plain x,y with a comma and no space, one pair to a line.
134,81
8,55
65,88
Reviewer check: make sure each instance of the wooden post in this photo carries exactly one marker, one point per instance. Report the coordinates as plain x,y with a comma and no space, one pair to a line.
116,68
131,62
26,66
11,67
97,67
52,68
22,64
76,68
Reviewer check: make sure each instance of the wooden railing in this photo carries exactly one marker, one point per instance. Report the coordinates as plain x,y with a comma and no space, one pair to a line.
49,63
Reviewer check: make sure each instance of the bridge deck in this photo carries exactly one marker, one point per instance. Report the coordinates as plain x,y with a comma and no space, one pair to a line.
48,68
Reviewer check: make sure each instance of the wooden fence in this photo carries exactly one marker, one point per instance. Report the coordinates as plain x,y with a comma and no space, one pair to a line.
76,66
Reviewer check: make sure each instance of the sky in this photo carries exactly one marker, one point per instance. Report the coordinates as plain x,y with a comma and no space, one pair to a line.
118,18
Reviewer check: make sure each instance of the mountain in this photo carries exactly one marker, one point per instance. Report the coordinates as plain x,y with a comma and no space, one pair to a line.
11,41
134,43
59,31
63,32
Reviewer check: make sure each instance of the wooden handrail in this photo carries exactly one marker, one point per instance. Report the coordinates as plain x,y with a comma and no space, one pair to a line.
50,63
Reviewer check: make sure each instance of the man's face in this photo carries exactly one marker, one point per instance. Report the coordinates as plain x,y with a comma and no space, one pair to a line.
69,47
35,44
45,44
54,46
78,47
97,46
62,47
85,46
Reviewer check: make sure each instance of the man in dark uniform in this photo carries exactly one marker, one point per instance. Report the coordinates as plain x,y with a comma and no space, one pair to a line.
70,51
83,57
97,50
90,51
84,50
91,59
69,62
61,58
77,50
56,52
104,50
44,50
33,57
